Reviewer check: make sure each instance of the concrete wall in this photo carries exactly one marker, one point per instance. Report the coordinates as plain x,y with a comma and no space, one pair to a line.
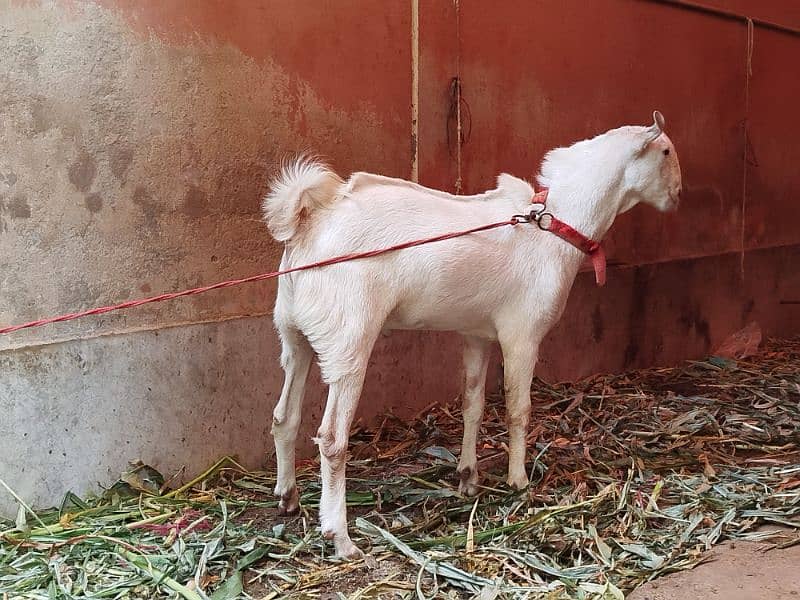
137,138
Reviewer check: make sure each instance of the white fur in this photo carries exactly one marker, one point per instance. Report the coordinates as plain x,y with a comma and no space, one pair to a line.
508,285
303,186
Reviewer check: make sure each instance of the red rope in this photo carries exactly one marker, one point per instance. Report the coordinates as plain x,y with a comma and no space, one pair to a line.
260,277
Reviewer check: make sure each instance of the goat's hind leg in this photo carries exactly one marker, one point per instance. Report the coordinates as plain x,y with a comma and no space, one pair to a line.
476,363
333,438
345,377
296,356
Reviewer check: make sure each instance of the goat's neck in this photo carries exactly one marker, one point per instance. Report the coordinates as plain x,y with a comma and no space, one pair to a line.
591,209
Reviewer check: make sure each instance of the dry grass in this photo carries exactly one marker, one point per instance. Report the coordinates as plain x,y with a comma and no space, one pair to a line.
633,476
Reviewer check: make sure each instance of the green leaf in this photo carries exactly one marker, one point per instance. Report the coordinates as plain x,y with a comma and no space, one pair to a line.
440,452
231,588
252,557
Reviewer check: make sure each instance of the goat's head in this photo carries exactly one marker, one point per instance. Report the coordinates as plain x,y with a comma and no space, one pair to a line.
653,176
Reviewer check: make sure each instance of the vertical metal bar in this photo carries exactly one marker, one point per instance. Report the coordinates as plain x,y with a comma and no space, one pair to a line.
459,134
748,72
414,90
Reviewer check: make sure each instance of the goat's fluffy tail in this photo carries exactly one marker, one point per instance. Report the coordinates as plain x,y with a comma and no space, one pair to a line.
304,185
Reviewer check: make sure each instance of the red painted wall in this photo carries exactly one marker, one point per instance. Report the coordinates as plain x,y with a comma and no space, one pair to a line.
542,74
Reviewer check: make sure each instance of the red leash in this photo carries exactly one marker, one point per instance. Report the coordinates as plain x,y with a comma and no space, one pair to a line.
260,277
544,220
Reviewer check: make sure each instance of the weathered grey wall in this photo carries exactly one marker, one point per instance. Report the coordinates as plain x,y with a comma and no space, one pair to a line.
75,413
130,165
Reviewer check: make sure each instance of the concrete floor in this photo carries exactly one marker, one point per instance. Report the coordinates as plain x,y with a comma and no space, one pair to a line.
736,571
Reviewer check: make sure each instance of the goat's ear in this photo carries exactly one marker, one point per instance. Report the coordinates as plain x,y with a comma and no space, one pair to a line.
658,120
655,130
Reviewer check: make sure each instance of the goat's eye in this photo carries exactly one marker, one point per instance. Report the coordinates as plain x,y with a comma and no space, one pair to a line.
666,152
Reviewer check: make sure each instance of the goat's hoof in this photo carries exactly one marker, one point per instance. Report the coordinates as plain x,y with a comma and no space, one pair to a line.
518,482
289,503
469,481
288,511
468,489
349,551
346,549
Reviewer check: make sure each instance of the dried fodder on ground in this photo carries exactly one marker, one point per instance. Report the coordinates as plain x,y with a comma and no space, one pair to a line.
633,476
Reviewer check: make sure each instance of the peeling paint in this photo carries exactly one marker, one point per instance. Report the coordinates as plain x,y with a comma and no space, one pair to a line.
142,157
18,208
94,203
121,159
194,202
83,171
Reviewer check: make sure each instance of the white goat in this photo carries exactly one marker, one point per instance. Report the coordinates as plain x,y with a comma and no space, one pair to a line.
508,285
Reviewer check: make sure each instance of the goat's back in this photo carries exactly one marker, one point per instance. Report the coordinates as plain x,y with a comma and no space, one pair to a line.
456,284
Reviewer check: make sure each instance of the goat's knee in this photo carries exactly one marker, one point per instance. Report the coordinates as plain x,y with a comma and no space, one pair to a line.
472,409
284,426
474,384
278,419
333,447
518,418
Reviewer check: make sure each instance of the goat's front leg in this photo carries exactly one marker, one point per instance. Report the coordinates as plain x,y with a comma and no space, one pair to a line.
519,358
476,362
296,356
333,438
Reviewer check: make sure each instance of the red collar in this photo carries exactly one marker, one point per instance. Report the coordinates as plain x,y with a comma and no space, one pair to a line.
547,222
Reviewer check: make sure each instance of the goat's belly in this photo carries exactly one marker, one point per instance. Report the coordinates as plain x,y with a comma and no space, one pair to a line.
466,324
